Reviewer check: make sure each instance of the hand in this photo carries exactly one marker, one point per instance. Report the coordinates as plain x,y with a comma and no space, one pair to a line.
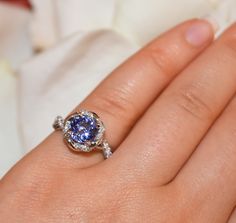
170,114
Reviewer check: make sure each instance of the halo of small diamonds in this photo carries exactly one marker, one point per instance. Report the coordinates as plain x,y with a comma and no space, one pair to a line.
83,131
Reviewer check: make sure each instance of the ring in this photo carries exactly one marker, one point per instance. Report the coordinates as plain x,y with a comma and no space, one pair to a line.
83,131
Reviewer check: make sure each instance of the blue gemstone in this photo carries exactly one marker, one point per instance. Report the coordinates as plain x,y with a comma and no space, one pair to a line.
83,128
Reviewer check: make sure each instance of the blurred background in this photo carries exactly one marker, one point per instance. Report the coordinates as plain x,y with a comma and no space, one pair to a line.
54,52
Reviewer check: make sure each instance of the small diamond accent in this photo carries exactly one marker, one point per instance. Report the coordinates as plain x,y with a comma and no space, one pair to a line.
58,123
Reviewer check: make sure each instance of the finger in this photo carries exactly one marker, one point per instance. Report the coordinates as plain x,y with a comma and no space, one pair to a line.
232,218
174,125
209,177
129,90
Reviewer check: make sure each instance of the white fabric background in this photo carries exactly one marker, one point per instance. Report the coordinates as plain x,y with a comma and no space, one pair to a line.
80,42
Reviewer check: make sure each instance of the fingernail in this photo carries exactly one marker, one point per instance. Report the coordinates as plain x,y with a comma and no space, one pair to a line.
212,21
200,32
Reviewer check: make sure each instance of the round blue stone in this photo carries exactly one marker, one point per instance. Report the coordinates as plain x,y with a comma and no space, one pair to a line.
83,128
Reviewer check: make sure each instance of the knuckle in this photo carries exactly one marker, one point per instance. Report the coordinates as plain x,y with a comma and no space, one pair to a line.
191,101
161,59
115,103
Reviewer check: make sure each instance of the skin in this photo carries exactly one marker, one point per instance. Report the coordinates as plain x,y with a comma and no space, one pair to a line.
169,112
